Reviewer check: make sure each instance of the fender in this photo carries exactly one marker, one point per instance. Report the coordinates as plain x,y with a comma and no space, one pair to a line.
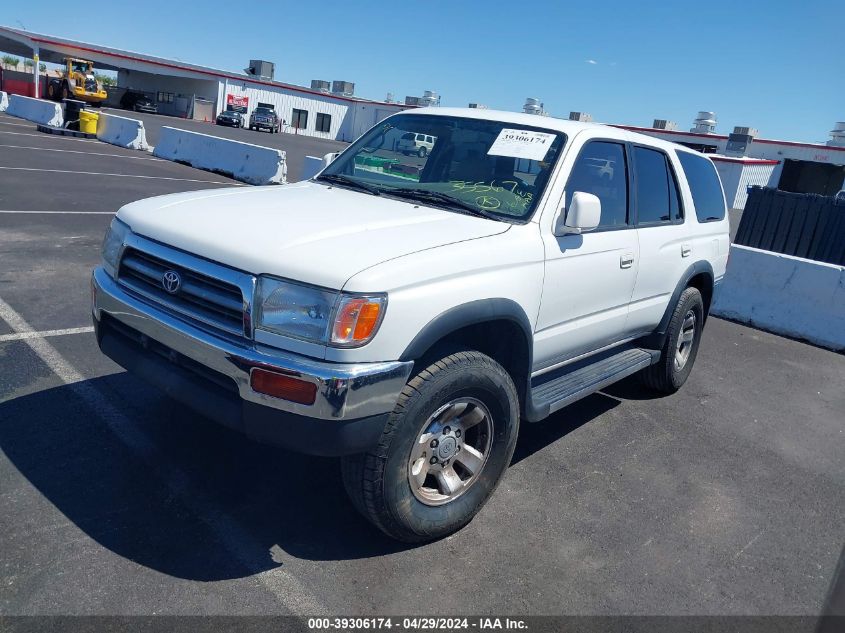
657,338
467,314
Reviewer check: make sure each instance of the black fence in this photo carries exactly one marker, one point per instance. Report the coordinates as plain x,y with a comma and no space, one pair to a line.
801,224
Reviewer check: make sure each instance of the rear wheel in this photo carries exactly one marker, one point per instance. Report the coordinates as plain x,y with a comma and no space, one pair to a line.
443,451
422,152
681,347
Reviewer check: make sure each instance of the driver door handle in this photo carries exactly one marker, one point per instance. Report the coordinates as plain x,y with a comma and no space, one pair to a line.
626,260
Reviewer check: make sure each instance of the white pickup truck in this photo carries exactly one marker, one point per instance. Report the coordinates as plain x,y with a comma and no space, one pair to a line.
407,312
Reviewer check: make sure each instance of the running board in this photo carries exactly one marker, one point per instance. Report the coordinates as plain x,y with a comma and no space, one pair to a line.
554,394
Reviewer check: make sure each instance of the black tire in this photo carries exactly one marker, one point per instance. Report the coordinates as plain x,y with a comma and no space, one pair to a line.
666,376
421,152
378,481
54,90
65,91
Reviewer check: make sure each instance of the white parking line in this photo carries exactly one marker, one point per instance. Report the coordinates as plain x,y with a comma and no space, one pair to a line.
41,135
10,211
21,336
287,589
15,124
97,173
77,151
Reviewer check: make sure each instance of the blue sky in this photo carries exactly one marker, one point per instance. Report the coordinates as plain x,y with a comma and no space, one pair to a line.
777,65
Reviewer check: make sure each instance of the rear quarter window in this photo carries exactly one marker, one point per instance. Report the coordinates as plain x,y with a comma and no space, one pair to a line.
705,187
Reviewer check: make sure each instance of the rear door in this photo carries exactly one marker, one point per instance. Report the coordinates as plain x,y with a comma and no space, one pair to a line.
666,247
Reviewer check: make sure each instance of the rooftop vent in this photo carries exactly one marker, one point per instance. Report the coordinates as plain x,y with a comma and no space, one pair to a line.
345,88
584,117
705,123
430,98
321,85
663,124
533,106
478,106
746,131
837,135
261,69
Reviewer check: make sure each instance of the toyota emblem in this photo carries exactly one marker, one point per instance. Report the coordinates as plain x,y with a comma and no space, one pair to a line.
171,281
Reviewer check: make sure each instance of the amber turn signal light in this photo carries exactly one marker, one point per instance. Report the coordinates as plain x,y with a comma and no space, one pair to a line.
356,320
282,386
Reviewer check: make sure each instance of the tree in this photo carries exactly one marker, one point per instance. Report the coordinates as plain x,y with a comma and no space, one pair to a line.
10,62
28,64
105,80
42,68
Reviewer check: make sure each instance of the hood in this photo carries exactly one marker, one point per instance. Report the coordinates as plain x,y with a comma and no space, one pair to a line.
307,231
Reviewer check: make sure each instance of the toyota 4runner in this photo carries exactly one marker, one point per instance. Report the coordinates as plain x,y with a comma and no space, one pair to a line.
406,315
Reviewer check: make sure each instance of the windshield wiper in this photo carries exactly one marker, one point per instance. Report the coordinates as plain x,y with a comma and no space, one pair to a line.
423,195
340,179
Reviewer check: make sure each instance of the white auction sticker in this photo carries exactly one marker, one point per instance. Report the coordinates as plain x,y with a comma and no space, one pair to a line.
521,144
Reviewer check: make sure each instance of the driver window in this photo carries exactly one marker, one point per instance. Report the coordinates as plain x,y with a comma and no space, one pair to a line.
601,169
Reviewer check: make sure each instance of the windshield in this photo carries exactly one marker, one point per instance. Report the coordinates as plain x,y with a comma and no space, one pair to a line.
263,111
498,169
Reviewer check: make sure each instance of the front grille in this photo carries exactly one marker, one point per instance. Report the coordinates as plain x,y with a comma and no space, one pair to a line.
200,297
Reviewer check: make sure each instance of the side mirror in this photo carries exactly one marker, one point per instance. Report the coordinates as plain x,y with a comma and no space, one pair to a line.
584,215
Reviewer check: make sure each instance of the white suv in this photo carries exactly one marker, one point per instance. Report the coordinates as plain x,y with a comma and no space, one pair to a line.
415,143
408,317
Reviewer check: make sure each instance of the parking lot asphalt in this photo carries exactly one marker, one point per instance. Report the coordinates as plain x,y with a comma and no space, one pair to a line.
296,146
725,498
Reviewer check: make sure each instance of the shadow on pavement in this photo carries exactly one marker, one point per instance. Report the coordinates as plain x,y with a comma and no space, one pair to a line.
250,506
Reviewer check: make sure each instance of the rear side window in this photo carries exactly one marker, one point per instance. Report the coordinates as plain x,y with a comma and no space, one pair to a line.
705,187
656,188
602,171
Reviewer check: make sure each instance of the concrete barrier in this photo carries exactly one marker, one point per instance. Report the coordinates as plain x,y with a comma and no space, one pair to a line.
4,101
122,131
313,166
784,294
36,110
242,161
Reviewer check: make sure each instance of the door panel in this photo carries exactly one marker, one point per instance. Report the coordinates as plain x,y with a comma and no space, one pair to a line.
586,292
666,245
589,278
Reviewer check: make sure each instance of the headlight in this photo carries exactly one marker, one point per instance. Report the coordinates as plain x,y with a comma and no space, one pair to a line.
316,314
112,244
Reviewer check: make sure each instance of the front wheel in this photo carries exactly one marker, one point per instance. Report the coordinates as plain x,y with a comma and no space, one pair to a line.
443,451
681,347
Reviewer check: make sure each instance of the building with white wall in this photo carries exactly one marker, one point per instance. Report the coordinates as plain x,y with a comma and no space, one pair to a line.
178,87
743,159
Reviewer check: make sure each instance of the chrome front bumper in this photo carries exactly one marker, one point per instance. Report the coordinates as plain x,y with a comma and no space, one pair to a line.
344,391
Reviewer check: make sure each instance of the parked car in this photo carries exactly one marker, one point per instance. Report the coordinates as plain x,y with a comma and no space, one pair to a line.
414,143
410,321
263,118
230,118
138,102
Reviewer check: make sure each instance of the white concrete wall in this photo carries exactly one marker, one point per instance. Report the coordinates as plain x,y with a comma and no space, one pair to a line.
785,295
243,161
4,101
122,131
36,110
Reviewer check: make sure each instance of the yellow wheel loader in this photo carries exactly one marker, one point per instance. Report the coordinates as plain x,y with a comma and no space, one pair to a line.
76,82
